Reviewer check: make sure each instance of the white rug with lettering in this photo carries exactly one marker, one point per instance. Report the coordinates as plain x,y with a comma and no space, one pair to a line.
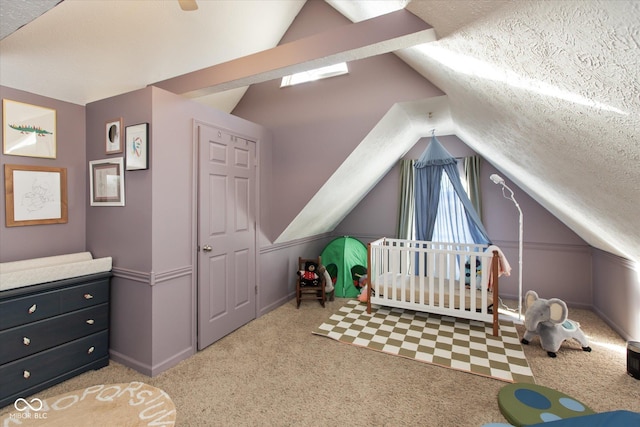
126,404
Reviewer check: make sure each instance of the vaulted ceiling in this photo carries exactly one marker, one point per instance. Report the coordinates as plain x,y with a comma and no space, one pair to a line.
548,91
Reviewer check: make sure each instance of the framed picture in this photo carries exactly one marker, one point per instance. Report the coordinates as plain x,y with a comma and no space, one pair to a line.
137,147
106,181
28,130
35,195
113,136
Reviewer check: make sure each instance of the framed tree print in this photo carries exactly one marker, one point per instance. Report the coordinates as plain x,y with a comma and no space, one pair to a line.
106,182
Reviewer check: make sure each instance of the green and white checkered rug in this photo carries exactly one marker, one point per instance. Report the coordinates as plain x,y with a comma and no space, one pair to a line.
464,345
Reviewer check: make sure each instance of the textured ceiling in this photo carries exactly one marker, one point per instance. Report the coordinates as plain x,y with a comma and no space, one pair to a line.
16,13
547,91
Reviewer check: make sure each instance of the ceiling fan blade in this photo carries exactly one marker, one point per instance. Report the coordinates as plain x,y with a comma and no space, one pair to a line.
188,5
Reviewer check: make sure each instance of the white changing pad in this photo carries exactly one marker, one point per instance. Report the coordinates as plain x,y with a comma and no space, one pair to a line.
17,274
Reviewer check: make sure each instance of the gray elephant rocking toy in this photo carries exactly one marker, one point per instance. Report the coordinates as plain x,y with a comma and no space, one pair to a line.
548,318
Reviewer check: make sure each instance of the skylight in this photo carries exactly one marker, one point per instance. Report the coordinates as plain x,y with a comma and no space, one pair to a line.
313,75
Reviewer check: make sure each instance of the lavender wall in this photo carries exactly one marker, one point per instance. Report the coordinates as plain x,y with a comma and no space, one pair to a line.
17,243
110,229
152,239
617,293
124,233
556,261
317,125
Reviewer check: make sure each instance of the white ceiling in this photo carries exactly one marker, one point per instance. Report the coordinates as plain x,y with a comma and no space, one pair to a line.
548,91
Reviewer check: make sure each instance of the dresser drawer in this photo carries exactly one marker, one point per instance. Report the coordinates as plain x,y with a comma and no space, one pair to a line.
25,340
30,308
82,296
25,373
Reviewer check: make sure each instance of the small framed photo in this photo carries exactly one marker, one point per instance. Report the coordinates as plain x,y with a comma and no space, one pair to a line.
35,195
106,181
113,136
137,147
28,130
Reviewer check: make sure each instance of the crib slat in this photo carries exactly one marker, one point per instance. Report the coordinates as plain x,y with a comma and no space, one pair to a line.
440,280
461,285
431,267
451,258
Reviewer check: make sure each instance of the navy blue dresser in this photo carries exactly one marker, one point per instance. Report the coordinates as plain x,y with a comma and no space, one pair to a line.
51,332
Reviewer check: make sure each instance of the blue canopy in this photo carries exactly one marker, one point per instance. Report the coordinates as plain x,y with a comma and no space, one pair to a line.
442,205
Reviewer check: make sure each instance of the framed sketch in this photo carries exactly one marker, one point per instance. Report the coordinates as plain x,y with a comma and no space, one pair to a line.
106,182
28,130
113,136
137,147
35,195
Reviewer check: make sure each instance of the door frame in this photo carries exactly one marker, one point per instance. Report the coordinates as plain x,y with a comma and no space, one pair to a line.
195,216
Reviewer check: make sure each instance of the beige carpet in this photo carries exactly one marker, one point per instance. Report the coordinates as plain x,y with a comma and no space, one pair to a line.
461,344
275,372
113,405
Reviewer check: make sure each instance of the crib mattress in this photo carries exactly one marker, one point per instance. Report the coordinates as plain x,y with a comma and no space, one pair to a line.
385,291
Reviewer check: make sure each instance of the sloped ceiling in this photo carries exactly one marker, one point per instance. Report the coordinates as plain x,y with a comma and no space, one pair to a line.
17,13
547,91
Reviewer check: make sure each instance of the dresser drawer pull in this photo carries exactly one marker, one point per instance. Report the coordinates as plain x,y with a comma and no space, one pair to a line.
90,322
26,374
26,341
88,296
91,349
32,309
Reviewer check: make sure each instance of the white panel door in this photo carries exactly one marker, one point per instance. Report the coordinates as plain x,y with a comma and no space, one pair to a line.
226,234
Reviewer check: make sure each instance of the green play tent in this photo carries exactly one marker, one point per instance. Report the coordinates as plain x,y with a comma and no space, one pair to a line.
345,258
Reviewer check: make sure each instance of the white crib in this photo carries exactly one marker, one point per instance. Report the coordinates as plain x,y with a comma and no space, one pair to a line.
431,277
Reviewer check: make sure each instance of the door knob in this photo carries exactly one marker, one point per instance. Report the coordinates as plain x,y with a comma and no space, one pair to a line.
207,248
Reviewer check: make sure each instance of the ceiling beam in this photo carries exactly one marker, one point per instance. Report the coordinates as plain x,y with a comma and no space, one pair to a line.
383,34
